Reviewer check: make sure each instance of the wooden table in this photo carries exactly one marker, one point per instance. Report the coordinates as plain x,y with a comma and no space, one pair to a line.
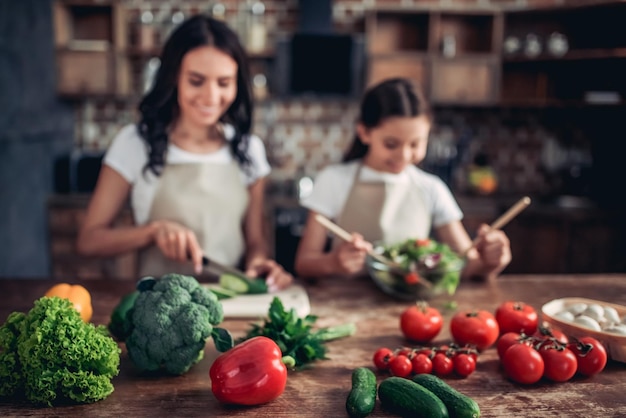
321,391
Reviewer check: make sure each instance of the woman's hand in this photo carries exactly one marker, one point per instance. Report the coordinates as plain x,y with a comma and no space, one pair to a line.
177,243
493,248
350,256
275,275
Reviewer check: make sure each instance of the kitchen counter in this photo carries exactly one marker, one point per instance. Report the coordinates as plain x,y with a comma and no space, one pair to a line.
321,390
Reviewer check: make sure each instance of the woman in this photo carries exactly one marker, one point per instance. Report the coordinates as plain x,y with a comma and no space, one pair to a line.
194,173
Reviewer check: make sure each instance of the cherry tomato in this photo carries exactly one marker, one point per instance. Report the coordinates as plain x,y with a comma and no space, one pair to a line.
591,355
505,341
547,332
422,364
523,364
517,317
560,363
382,357
442,364
464,364
422,242
478,328
421,322
400,366
412,278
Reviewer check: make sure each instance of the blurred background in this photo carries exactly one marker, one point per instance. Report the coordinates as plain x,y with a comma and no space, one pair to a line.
528,97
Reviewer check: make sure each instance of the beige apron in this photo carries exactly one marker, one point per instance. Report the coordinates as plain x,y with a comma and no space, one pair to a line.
385,212
208,198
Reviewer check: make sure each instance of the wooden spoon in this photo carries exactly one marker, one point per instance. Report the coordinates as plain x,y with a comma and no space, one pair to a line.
503,220
346,236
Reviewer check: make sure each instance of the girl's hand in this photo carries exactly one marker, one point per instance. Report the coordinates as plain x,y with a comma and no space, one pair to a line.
350,256
275,276
493,248
177,242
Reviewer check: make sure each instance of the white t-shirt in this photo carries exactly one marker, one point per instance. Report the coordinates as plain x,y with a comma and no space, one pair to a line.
128,156
333,184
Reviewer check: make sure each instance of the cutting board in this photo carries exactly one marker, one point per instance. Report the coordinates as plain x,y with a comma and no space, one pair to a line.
255,306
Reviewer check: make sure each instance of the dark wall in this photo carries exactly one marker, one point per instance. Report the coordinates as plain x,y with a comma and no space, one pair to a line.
35,127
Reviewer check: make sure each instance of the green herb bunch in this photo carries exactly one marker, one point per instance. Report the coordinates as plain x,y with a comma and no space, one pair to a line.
296,335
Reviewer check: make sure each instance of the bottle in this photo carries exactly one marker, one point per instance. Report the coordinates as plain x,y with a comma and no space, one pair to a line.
257,32
146,30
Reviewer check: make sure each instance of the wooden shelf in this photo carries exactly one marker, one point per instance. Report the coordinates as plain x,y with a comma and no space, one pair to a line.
573,55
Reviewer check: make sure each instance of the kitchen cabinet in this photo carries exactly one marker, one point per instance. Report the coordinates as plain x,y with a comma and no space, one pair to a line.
453,56
90,42
567,55
556,240
65,215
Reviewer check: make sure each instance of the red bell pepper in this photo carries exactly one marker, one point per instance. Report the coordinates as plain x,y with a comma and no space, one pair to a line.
251,373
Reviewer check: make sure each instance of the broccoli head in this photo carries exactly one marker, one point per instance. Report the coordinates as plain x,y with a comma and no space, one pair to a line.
50,355
169,323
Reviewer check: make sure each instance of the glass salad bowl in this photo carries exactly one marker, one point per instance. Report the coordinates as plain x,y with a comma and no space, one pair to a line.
420,269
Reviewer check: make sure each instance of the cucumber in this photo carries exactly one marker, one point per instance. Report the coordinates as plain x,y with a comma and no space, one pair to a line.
362,398
458,404
241,285
408,399
221,292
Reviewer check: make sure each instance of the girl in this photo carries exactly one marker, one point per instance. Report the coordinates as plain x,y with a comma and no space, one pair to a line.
194,173
380,194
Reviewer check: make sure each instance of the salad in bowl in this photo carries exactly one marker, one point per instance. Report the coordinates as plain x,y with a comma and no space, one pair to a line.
419,269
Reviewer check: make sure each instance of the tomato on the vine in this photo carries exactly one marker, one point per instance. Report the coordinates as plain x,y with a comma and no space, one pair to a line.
400,366
422,364
478,328
546,332
560,363
382,357
464,364
517,317
591,355
523,364
442,364
505,341
421,322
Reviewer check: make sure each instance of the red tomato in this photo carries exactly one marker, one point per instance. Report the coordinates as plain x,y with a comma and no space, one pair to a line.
464,364
400,366
478,328
422,364
382,357
560,364
546,332
505,341
421,323
442,364
517,317
523,364
591,355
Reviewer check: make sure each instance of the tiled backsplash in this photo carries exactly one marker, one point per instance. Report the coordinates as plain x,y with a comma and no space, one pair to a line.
304,135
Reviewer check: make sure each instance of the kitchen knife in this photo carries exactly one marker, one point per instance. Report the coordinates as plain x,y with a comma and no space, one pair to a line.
208,263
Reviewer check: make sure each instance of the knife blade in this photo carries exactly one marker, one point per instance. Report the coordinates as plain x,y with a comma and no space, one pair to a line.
208,263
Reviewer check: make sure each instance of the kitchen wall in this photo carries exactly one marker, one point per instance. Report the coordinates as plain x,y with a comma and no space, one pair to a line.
35,127
528,148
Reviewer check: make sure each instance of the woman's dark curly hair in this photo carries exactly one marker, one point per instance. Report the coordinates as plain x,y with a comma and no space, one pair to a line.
159,107
395,97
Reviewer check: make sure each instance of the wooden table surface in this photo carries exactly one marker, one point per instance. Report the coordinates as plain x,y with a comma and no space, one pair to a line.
321,391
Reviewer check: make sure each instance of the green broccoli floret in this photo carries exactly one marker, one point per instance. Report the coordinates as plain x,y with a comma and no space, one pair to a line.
169,323
49,355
